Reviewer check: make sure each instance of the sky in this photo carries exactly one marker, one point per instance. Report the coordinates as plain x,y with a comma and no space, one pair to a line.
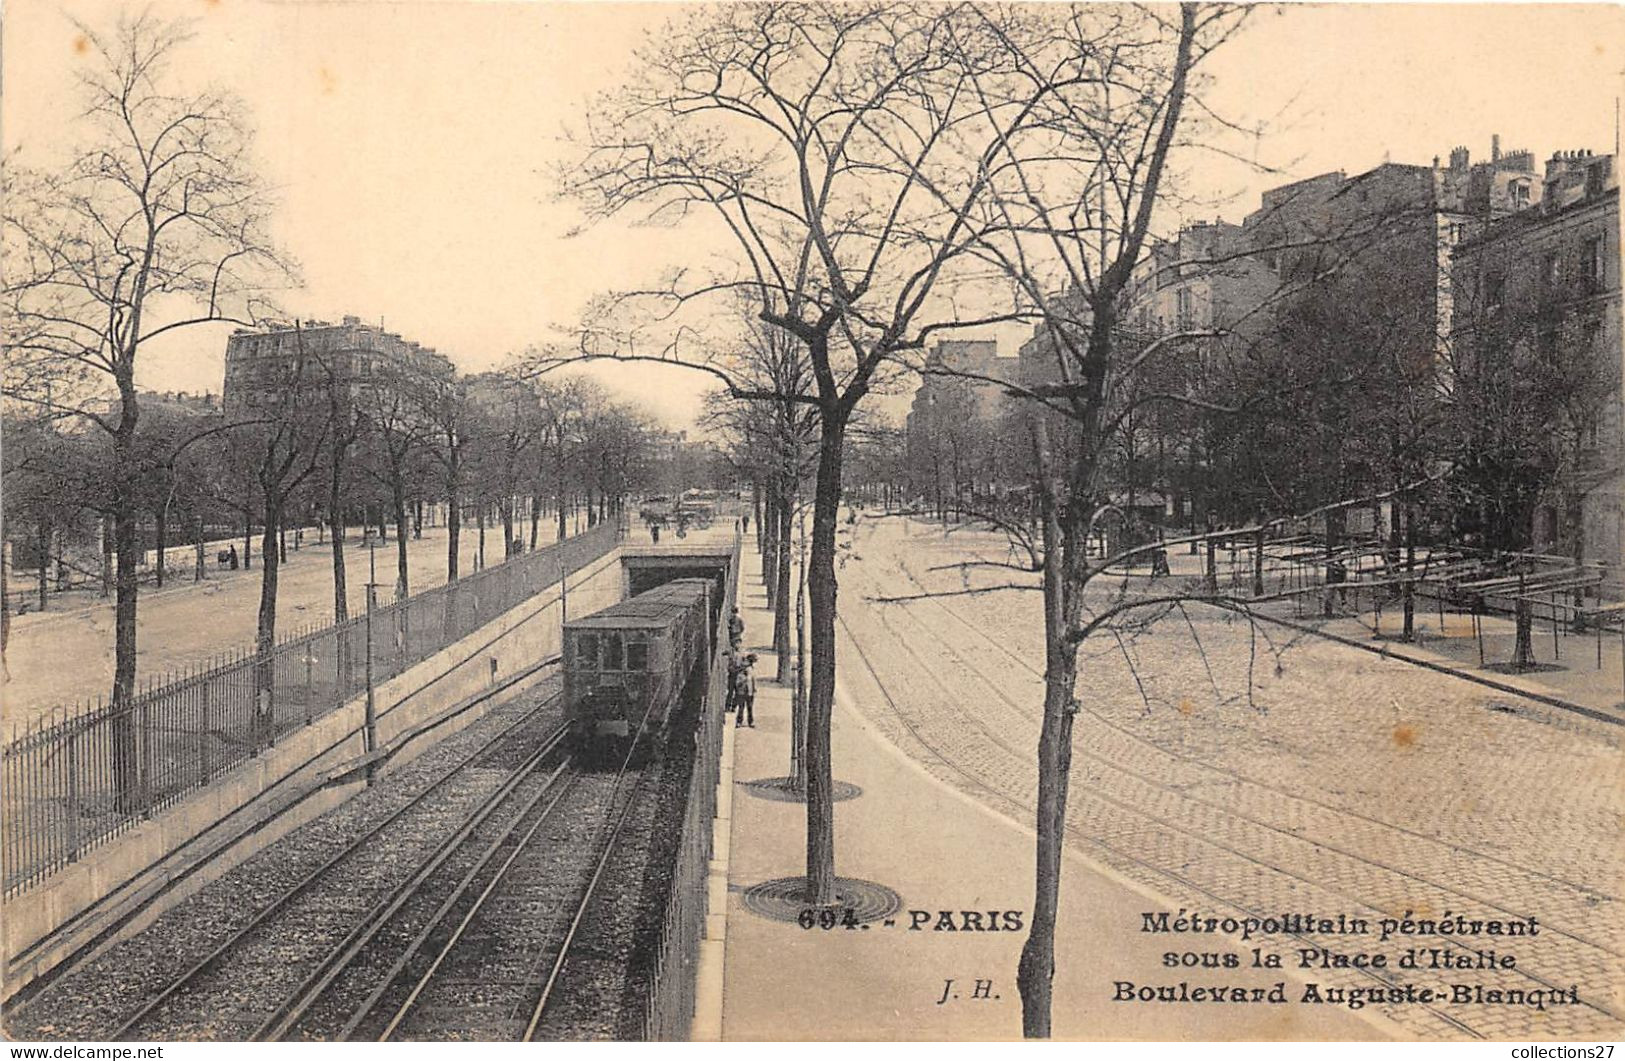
409,142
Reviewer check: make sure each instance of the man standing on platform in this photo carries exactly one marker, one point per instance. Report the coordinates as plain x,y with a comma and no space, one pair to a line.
744,688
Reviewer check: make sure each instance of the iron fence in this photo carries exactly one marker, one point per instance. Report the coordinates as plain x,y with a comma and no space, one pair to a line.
76,779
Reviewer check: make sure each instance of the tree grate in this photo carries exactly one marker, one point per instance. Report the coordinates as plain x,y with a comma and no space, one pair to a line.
783,899
782,789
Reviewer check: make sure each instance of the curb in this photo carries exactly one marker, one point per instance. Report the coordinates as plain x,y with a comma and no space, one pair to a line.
1433,665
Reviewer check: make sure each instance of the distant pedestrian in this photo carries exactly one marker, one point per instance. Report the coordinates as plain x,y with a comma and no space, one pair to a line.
744,687
736,630
733,673
233,560
745,521
654,532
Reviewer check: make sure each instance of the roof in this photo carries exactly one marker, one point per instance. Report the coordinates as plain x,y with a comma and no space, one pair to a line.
647,611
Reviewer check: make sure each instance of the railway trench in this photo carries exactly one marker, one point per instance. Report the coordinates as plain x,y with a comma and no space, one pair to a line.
491,889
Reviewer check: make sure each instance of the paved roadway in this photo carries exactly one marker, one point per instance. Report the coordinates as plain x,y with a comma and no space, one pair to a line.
62,657
1344,784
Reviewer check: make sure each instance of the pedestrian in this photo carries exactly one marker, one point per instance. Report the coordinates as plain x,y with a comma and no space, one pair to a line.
744,684
733,672
234,556
736,630
746,522
654,531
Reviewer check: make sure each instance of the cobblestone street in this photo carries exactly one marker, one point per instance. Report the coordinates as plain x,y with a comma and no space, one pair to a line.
1342,783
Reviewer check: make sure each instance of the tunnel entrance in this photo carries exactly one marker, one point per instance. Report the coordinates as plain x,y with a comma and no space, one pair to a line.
643,573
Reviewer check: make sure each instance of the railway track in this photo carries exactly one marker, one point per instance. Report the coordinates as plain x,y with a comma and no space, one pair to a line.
473,943
221,995
1129,845
474,946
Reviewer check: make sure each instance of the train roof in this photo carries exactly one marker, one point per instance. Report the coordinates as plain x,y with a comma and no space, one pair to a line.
654,609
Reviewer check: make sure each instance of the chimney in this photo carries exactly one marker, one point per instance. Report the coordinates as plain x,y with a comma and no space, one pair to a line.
1495,147
1458,158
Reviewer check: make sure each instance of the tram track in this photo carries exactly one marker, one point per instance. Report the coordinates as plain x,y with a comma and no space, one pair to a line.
1118,850
1584,891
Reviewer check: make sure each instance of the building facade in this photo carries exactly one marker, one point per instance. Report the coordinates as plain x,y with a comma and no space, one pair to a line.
365,364
1541,363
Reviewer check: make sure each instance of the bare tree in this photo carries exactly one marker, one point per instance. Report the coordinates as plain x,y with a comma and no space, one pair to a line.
815,138
156,225
1076,191
283,441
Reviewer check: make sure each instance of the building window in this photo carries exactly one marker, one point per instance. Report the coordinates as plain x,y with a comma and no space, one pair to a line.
1591,259
1183,301
1549,268
1591,335
1520,193
1546,340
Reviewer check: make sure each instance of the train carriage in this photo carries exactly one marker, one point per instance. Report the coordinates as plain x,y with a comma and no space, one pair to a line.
626,666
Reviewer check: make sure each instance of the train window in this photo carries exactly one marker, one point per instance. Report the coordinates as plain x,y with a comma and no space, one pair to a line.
586,650
612,652
637,655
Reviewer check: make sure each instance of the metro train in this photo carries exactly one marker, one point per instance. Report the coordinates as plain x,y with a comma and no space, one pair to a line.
625,667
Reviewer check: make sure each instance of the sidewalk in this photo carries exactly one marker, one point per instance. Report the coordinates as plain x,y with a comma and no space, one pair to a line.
1580,669
941,851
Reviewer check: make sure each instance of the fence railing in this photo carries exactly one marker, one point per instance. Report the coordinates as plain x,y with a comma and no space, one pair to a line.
669,1003
71,783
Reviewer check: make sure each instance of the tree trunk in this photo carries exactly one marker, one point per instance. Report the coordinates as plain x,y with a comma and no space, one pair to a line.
335,518
1035,972
1258,563
161,536
507,509
1334,570
454,534
535,518
1575,503
127,778
770,543
398,495
798,703
479,519
1523,649
108,549
265,632
248,542
1065,557
781,613
821,588
44,561
1408,586
558,488
756,510
201,569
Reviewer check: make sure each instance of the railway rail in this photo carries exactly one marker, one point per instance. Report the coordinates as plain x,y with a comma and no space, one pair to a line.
207,999
1121,846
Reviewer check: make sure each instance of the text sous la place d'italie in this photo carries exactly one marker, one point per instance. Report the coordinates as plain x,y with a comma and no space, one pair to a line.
1424,945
